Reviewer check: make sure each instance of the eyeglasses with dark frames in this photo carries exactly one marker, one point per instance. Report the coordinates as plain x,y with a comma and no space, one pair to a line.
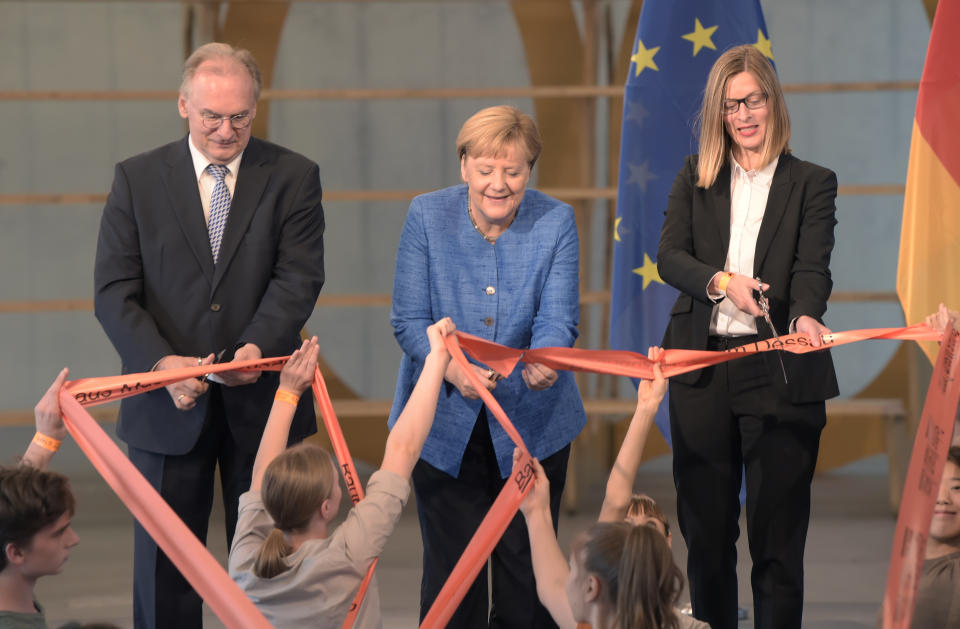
755,100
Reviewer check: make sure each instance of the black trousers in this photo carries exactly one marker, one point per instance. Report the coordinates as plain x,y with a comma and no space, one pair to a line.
161,596
731,421
451,509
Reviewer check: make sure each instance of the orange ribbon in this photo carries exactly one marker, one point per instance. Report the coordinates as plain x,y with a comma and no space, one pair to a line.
350,478
503,359
504,508
214,585
922,484
186,552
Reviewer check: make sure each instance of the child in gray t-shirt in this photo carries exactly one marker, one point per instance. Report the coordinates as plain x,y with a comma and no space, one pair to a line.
285,557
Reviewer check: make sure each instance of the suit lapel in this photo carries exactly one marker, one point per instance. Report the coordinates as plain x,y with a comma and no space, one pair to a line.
780,190
251,180
180,181
720,195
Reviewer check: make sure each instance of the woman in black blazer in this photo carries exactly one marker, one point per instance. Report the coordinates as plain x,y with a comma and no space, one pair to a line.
745,215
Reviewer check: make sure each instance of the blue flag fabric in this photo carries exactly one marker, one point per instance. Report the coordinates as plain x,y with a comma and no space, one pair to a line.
677,43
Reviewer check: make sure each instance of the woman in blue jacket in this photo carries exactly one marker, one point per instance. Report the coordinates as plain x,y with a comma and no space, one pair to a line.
503,262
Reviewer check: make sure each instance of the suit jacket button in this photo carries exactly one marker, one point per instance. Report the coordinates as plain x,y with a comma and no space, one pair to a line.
491,290
488,321
215,307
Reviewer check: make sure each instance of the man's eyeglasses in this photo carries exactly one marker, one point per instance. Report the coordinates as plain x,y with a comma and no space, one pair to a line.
752,101
213,121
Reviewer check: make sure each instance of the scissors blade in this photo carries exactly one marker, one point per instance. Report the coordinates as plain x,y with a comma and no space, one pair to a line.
765,307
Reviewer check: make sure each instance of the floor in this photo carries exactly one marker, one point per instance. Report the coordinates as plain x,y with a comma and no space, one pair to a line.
846,563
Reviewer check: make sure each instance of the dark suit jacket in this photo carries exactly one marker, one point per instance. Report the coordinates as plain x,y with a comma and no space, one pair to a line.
157,291
792,255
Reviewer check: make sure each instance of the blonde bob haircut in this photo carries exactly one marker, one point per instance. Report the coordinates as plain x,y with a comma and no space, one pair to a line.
715,142
295,484
224,59
495,130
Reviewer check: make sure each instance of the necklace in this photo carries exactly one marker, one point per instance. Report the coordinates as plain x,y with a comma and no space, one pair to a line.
473,221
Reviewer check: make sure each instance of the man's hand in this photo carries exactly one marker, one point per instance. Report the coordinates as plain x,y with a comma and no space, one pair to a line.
236,378
185,392
455,376
812,328
538,377
47,411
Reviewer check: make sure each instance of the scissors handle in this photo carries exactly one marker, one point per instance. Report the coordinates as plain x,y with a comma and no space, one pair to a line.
765,308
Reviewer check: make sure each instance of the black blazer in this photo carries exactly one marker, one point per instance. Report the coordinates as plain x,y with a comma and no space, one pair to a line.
157,291
792,256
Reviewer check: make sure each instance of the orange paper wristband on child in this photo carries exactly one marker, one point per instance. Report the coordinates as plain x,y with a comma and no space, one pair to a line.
286,396
48,443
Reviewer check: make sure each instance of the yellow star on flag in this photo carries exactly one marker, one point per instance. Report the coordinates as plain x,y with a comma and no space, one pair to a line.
763,45
616,228
644,58
648,272
700,37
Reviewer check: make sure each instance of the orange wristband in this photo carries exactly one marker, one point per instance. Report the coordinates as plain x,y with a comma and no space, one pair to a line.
286,396
47,443
723,281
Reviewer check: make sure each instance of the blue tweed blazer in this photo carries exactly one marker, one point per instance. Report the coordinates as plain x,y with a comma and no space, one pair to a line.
446,269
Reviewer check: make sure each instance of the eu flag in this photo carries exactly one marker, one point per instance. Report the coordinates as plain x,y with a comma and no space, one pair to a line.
676,45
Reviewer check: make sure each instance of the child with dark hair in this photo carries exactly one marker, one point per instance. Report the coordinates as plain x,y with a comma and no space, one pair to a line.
938,588
36,507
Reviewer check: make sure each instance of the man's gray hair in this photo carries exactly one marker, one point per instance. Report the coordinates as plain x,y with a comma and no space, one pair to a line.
216,51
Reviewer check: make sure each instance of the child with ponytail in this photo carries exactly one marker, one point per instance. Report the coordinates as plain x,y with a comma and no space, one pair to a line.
621,573
286,557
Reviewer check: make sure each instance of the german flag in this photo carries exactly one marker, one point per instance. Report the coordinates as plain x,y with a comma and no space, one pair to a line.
928,270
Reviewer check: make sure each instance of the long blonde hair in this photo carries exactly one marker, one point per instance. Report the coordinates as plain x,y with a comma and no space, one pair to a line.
640,583
715,142
295,484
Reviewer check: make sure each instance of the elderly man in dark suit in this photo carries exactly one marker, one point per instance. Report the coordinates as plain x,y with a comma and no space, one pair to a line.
210,248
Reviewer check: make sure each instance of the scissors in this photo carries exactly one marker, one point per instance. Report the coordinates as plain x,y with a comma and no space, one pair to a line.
765,308
212,377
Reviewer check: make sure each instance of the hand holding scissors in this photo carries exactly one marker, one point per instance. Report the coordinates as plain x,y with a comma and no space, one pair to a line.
764,304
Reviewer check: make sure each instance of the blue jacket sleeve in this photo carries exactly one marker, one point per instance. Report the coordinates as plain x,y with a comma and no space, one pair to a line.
411,312
558,314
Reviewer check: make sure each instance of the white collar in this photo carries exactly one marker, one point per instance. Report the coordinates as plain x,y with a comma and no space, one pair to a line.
761,176
200,161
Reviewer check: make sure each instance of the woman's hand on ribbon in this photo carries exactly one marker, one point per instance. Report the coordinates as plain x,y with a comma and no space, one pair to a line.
538,377
813,329
455,376
185,392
